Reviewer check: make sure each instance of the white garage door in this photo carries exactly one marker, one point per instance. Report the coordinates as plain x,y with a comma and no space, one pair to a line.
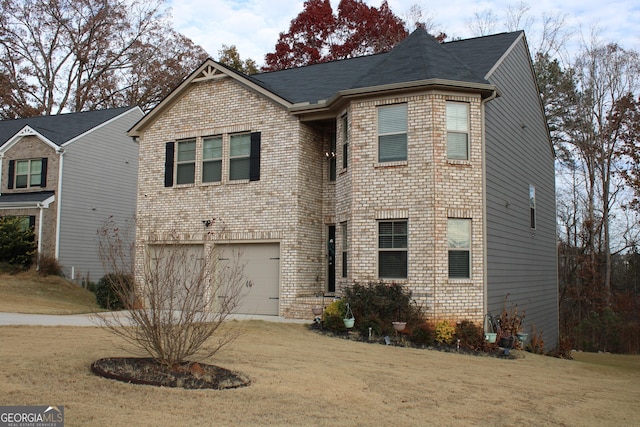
262,274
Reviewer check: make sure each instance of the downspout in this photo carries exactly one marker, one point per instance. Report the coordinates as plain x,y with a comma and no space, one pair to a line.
484,205
1,160
59,206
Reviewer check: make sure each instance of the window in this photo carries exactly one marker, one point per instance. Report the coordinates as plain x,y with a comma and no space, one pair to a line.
28,173
345,141
345,246
457,131
239,153
392,133
532,206
459,242
212,159
392,249
186,167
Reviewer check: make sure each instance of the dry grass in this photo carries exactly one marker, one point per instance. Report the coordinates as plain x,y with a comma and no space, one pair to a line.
31,293
301,378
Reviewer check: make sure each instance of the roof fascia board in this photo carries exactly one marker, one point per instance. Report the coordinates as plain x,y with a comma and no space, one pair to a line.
22,205
27,131
209,70
340,97
105,123
504,55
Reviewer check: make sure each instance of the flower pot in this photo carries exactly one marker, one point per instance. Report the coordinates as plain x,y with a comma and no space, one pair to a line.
522,337
348,323
506,342
399,326
317,310
490,337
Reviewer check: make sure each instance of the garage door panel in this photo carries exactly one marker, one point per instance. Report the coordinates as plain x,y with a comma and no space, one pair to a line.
262,276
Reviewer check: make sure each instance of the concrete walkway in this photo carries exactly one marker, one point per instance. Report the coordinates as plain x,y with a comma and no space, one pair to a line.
92,320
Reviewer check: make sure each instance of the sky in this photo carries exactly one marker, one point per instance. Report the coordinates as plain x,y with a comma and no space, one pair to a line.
253,26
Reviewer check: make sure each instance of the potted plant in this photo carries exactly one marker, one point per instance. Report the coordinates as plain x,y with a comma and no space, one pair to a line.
317,310
349,320
510,324
399,326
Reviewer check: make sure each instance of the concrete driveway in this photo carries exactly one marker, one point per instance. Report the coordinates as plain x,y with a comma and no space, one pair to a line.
93,320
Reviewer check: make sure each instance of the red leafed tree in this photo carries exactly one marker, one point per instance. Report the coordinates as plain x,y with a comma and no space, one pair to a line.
317,35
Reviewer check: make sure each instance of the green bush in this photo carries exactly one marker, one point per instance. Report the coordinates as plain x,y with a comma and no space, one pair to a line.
377,305
17,243
333,315
422,335
108,291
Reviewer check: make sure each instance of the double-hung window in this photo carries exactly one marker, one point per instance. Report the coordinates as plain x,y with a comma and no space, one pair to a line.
212,159
392,133
186,165
28,173
457,131
239,154
392,249
459,243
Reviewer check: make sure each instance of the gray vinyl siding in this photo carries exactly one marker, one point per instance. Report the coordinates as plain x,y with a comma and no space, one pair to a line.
521,261
99,181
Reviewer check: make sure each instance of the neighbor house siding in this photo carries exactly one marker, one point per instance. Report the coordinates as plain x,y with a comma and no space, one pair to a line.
521,261
99,184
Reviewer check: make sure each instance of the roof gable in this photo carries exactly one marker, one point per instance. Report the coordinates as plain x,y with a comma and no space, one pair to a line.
58,129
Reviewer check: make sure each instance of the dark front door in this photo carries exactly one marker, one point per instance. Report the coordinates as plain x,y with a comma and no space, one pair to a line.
331,259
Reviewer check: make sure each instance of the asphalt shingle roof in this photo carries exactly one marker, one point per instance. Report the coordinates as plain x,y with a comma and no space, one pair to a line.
59,128
39,196
418,57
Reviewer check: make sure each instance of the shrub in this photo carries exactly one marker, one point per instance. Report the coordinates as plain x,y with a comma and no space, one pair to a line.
17,243
445,332
377,305
107,291
49,266
470,335
422,334
333,315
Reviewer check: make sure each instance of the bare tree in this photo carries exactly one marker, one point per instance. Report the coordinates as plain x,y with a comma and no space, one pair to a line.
183,292
483,23
75,55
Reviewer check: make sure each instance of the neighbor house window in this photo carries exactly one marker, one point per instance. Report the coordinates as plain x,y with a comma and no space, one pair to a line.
28,173
392,249
532,206
459,242
345,246
186,165
457,131
392,133
345,141
212,159
239,154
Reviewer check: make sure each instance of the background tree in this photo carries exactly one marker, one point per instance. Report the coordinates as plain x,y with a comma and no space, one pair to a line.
230,57
317,35
75,55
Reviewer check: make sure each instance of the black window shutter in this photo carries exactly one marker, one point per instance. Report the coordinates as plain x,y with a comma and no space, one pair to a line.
12,168
168,164
43,176
254,157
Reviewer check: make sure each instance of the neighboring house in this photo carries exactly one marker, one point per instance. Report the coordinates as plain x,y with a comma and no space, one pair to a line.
67,175
430,166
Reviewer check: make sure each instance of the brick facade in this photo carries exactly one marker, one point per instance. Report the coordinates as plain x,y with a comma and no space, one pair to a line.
294,202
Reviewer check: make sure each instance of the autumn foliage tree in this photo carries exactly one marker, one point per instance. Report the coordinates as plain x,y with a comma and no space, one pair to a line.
318,35
76,55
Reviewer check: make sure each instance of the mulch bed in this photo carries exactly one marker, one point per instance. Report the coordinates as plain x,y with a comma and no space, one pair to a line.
189,375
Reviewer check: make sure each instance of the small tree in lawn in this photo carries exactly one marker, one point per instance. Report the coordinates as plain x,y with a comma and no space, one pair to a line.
182,295
17,243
